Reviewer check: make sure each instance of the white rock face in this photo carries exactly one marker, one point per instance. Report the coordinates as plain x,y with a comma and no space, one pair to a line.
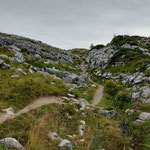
11,143
100,58
65,145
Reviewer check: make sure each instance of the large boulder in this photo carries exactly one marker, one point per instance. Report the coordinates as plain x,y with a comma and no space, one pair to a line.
11,143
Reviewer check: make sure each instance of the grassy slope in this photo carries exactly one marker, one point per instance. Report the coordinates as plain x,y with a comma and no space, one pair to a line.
32,129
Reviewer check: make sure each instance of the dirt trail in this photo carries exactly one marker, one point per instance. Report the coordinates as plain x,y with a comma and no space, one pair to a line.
35,104
99,92
49,100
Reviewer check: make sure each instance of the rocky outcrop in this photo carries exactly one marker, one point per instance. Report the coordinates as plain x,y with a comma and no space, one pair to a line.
36,48
134,48
100,57
69,78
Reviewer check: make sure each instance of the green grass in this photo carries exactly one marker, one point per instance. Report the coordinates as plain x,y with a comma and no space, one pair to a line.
19,92
32,128
144,108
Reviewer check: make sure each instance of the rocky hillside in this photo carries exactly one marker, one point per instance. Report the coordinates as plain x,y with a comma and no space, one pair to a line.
127,60
53,99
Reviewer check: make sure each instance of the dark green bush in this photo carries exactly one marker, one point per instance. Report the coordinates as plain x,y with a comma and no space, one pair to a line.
122,100
112,88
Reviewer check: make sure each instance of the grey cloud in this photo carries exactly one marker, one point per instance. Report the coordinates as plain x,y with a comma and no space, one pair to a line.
74,23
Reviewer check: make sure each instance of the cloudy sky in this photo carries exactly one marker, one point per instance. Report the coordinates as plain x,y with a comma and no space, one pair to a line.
75,23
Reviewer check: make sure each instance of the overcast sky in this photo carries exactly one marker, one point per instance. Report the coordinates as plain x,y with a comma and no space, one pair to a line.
75,23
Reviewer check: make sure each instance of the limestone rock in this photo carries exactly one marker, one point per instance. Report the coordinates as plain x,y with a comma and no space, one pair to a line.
11,143
65,145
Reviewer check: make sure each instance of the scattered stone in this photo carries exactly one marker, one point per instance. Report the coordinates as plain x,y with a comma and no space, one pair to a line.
1,61
81,140
46,74
110,113
82,121
9,111
81,129
19,57
19,70
14,76
54,136
93,85
144,116
53,83
11,143
147,101
66,98
65,145
37,56
71,95
3,56
69,136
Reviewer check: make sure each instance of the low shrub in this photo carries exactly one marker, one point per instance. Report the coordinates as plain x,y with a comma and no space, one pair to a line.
122,100
112,87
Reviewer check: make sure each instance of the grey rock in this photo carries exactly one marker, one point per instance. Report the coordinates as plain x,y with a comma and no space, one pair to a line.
71,95
54,136
144,116
3,56
14,76
6,41
131,47
15,49
81,129
147,101
9,111
51,62
37,56
19,57
145,91
19,70
34,69
57,71
65,145
136,95
4,66
74,79
108,113
100,58
1,61
11,143
44,73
